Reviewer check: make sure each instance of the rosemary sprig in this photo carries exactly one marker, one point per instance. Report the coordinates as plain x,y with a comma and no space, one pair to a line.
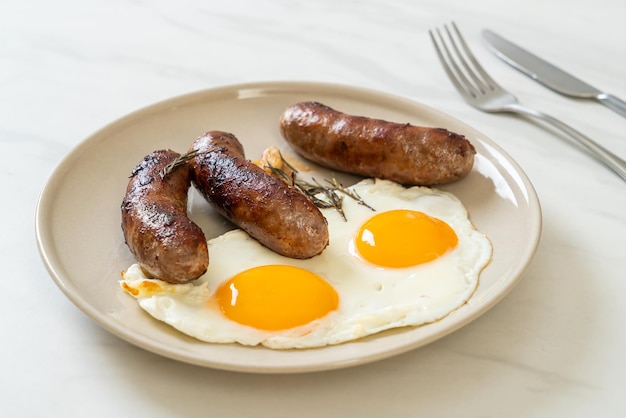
324,197
179,161
332,199
350,193
281,174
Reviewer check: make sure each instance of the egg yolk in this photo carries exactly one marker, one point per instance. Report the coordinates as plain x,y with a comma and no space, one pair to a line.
276,297
403,238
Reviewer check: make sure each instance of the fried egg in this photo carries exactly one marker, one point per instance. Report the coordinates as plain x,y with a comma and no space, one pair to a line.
412,261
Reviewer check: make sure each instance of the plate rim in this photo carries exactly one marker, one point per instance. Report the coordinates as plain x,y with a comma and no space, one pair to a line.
275,86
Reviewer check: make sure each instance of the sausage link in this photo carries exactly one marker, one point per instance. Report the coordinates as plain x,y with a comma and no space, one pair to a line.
165,242
274,213
404,153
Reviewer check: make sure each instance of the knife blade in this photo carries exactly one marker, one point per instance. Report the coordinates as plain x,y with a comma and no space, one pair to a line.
547,74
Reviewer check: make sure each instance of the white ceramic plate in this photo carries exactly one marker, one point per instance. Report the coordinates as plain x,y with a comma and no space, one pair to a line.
81,243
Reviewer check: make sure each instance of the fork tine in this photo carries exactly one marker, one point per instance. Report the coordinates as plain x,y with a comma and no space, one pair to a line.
485,80
478,86
449,65
462,67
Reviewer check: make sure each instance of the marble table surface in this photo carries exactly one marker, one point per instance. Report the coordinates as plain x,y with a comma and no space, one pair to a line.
553,347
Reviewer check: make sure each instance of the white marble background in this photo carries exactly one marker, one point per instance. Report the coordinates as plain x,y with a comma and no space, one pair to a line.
555,347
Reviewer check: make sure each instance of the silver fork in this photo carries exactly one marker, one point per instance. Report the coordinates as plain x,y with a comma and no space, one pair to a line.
481,91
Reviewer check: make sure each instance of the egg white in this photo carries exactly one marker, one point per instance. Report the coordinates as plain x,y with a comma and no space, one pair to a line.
371,299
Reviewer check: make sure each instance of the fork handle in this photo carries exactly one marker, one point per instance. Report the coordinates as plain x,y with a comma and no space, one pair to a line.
607,157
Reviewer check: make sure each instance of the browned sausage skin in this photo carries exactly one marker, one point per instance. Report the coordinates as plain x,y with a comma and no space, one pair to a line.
165,242
269,210
404,153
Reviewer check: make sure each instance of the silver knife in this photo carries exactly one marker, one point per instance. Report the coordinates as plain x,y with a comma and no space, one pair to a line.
549,75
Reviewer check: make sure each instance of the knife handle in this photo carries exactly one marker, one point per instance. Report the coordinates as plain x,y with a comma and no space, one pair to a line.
613,102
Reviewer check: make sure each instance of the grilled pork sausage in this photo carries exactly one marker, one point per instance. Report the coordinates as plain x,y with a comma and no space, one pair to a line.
404,153
165,242
269,210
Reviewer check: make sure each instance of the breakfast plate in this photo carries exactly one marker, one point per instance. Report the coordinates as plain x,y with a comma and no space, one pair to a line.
81,243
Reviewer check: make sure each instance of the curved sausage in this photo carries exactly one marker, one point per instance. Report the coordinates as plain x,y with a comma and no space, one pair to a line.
404,153
269,210
165,242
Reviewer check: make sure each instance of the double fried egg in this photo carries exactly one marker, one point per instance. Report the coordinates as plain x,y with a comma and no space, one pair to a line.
412,261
